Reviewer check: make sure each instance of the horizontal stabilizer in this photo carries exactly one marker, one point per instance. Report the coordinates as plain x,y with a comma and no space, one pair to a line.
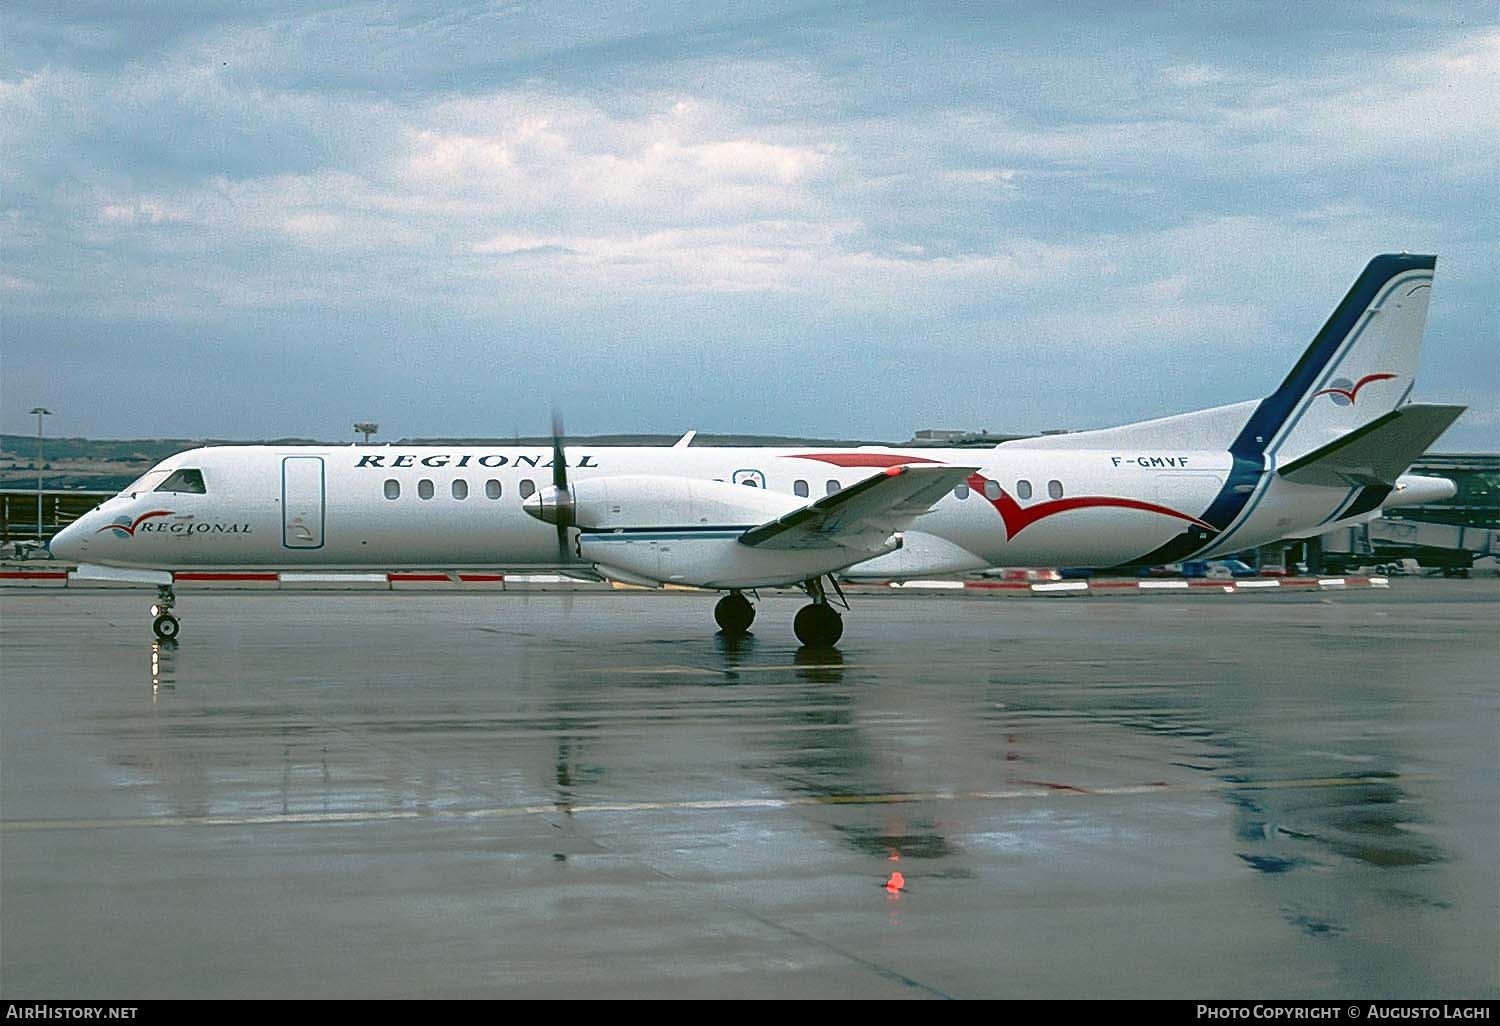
1376,454
862,516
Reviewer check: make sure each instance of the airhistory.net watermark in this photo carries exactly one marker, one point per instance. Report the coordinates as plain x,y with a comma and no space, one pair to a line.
49,1010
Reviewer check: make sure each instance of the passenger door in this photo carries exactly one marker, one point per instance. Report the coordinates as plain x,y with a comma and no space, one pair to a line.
302,502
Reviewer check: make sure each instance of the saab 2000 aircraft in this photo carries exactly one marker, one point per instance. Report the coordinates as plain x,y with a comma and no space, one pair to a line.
1325,448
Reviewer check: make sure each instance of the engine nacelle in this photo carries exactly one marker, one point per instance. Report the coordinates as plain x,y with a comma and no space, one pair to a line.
638,501
679,530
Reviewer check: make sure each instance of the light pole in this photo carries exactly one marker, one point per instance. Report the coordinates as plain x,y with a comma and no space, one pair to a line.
40,413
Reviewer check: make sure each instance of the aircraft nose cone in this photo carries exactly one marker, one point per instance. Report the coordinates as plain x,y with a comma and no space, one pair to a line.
67,544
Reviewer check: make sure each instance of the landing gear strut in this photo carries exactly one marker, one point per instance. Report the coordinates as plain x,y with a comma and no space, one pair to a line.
819,625
734,613
165,625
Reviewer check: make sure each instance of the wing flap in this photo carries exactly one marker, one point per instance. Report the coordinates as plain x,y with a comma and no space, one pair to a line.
862,516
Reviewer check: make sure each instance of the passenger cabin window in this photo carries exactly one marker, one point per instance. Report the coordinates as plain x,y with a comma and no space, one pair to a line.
424,489
833,486
961,491
527,488
190,481
800,488
460,488
392,488
992,490
1054,489
1023,489
492,489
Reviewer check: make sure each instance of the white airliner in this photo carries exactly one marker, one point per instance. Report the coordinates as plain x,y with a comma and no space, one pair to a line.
1325,448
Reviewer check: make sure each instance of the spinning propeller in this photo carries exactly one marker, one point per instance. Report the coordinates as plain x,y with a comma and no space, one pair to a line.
556,505
562,494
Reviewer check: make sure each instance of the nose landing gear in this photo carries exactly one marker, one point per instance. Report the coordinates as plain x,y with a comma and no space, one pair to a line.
165,625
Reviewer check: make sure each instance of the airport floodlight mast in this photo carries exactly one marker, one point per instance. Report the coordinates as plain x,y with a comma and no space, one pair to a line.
366,428
40,413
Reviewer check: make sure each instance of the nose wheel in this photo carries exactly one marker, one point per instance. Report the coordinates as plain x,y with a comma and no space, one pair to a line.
165,625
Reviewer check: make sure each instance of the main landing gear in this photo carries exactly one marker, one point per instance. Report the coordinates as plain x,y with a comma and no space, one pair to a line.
165,625
734,613
819,625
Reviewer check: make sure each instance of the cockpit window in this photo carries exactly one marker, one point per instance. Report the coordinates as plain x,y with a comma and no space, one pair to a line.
146,482
190,481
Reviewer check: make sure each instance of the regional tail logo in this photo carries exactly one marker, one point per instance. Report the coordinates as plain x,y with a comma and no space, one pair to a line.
124,527
1344,392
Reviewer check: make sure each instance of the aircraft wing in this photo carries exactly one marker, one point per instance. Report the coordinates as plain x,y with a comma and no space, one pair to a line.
1377,453
862,516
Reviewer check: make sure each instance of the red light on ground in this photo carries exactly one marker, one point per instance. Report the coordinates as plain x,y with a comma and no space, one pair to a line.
897,882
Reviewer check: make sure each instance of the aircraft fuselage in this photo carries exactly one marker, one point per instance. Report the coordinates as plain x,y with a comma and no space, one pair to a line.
361,507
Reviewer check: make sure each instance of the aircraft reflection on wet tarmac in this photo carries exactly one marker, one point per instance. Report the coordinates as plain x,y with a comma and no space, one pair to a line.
502,796
163,664
1286,817
1295,812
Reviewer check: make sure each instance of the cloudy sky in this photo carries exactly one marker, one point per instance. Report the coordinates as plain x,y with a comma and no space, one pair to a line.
253,220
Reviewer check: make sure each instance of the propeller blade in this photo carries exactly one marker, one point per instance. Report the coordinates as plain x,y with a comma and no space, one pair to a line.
559,461
560,483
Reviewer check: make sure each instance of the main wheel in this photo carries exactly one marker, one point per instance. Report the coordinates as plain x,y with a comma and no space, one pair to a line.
165,626
818,626
734,613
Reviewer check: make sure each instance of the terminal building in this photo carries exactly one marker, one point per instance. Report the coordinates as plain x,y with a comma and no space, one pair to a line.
1450,535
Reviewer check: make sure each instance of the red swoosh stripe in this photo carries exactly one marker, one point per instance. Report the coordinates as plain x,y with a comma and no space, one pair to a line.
1017,517
1351,393
130,530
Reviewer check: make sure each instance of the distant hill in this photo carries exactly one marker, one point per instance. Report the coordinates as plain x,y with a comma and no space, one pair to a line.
22,448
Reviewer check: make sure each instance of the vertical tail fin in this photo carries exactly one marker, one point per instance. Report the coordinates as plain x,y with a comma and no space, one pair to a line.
1360,366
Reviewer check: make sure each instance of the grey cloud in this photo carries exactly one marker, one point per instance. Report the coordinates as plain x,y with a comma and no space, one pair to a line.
398,199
